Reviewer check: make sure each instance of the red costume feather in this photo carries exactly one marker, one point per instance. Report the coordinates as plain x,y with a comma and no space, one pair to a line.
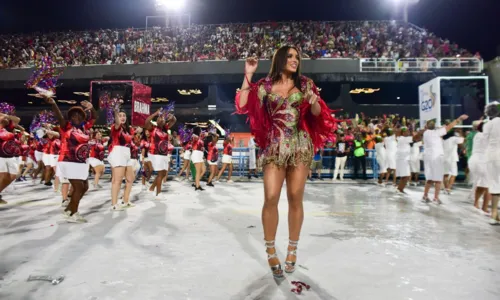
320,128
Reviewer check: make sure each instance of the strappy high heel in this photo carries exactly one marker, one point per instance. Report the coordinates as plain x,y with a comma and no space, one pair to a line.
276,269
290,265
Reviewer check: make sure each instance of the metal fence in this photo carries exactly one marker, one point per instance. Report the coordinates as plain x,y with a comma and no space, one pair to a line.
241,157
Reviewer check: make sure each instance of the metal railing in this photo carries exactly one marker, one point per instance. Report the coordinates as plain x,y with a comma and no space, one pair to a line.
420,64
241,162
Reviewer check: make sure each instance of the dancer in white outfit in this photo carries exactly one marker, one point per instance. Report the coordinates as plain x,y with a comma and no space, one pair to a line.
252,158
415,158
491,131
478,169
390,148
434,156
381,159
403,153
451,159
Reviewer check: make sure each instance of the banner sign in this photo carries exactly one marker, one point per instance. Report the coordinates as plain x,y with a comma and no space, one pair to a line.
141,103
429,97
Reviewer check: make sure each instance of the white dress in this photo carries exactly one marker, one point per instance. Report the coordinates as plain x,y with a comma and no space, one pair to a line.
391,148
491,131
415,157
252,160
451,155
434,154
403,156
477,161
381,157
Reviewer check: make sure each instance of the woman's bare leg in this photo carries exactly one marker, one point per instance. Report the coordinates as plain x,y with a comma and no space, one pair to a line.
273,183
295,184
129,177
116,182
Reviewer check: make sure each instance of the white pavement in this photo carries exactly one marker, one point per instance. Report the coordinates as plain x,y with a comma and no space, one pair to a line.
358,242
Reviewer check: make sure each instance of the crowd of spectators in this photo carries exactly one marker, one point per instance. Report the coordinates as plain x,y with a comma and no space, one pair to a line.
374,39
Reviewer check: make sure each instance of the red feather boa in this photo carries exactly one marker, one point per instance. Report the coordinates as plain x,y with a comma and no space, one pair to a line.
320,128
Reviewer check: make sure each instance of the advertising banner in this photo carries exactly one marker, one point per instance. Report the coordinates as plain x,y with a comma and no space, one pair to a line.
141,103
429,98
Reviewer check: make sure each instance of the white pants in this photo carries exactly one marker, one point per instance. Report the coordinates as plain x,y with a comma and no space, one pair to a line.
339,165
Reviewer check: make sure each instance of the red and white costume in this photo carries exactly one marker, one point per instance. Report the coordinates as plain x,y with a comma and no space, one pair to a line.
158,148
227,157
96,156
198,148
119,150
74,153
213,154
9,150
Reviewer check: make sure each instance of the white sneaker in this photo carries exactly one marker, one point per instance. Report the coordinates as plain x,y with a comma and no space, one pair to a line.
76,218
127,205
117,207
494,222
230,181
66,214
65,203
144,188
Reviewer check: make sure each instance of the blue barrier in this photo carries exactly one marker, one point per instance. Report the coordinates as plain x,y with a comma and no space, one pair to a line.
241,157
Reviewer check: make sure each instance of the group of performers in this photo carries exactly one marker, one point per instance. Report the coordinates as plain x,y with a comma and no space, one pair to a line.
289,121
65,149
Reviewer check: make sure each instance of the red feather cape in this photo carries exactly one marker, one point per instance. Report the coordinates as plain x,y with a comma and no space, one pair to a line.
320,128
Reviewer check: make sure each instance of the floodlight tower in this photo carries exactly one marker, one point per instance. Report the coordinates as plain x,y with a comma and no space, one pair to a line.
169,9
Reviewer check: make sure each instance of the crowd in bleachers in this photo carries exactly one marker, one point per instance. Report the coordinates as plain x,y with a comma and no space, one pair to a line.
380,39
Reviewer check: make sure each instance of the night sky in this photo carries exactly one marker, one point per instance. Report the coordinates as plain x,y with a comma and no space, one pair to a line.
473,24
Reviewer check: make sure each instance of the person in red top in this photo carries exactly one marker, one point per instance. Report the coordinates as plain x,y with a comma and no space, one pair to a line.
169,155
96,156
158,147
135,147
122,165
227,159
72,164
212,157
25,149
49,149
30,158
8,151
187,147
39,158
146,163
197,159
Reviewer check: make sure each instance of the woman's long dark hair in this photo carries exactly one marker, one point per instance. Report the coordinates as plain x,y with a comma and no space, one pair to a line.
279,62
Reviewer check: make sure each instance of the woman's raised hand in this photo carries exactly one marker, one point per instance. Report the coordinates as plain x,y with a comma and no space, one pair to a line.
251,65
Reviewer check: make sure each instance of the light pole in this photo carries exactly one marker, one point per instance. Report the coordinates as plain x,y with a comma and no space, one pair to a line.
170,8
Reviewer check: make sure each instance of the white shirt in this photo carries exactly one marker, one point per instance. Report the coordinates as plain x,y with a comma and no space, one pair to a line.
451,148
380,151
404,148
433,142
391,144
491,131
479,145
415,151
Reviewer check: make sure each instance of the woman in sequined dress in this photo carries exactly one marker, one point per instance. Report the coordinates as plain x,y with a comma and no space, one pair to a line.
289,121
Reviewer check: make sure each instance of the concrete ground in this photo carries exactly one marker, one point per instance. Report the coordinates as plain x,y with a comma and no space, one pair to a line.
359,241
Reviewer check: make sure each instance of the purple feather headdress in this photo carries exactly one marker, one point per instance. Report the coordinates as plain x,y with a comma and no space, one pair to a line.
167,109
109,104
185,133
44,78
7,108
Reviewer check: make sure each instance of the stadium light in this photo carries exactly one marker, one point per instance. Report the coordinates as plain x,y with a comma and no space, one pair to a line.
170,5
